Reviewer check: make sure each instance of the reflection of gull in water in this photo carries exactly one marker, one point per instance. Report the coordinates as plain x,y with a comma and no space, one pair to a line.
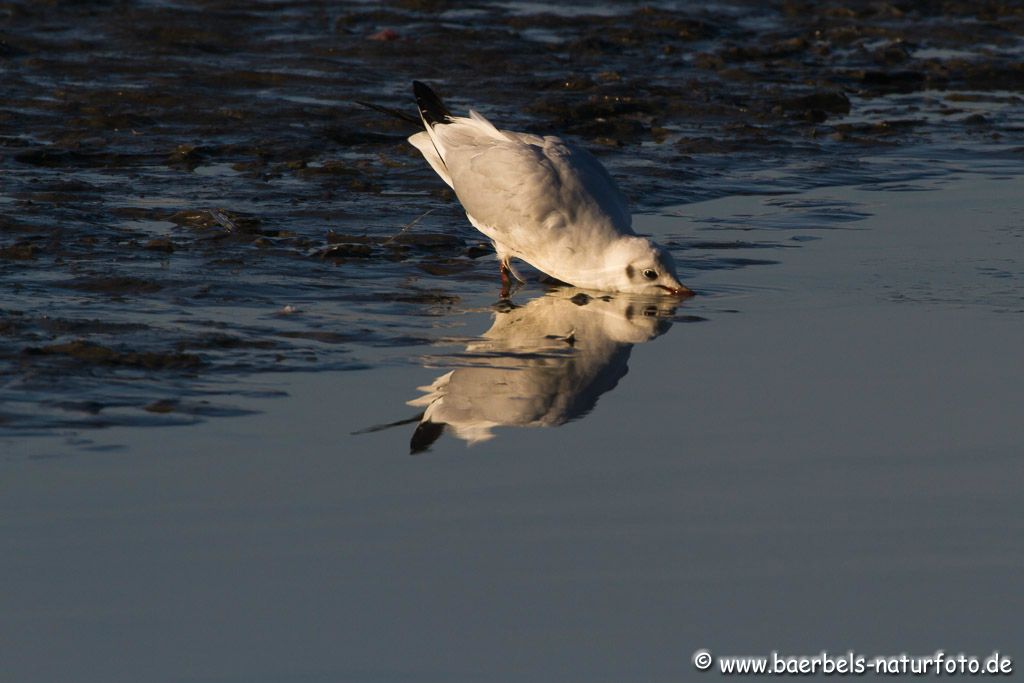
540,365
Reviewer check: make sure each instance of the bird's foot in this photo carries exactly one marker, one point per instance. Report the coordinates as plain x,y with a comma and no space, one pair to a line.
504,280
510,279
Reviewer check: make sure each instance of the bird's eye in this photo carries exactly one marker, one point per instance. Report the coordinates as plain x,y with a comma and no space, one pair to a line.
650,274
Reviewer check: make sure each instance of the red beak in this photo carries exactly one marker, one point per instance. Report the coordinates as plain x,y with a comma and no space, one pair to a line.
681,290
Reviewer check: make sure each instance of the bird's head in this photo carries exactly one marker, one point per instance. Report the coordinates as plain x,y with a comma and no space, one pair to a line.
640,266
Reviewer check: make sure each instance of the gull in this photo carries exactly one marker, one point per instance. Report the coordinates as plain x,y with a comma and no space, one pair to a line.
539,365
544,201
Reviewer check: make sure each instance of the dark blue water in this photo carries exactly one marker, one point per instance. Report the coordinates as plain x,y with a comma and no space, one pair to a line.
215,360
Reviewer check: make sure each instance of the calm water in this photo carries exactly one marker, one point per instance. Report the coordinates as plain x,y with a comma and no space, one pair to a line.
216,349
831,459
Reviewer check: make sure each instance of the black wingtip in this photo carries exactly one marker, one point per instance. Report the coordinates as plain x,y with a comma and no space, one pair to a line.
426,434
431,107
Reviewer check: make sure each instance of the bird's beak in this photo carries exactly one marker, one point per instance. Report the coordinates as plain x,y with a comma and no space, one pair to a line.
679,290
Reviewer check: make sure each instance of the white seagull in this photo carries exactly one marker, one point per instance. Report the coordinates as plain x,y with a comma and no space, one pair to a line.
540,365
542,200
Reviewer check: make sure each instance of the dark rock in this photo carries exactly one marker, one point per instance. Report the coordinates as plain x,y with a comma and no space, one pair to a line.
827,102
164,405
115,285
344,250
19,251
163,244
96,354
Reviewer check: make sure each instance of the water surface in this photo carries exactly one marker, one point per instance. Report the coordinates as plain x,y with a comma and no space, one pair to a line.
223,294
829,460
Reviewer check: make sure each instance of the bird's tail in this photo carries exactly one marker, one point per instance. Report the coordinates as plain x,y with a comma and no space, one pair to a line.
432,113
432,109
426,434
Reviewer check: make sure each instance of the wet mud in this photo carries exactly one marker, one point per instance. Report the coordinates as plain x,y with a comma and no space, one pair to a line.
191,195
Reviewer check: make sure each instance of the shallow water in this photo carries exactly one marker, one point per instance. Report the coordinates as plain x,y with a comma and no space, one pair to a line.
221,324
822,453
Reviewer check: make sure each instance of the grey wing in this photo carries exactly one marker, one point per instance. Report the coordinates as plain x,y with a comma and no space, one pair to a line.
527,184
585,175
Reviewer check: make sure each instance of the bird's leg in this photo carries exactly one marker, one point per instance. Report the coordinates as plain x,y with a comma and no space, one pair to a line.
505,280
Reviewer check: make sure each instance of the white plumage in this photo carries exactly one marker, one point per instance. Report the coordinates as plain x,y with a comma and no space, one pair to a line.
539,365
542,200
